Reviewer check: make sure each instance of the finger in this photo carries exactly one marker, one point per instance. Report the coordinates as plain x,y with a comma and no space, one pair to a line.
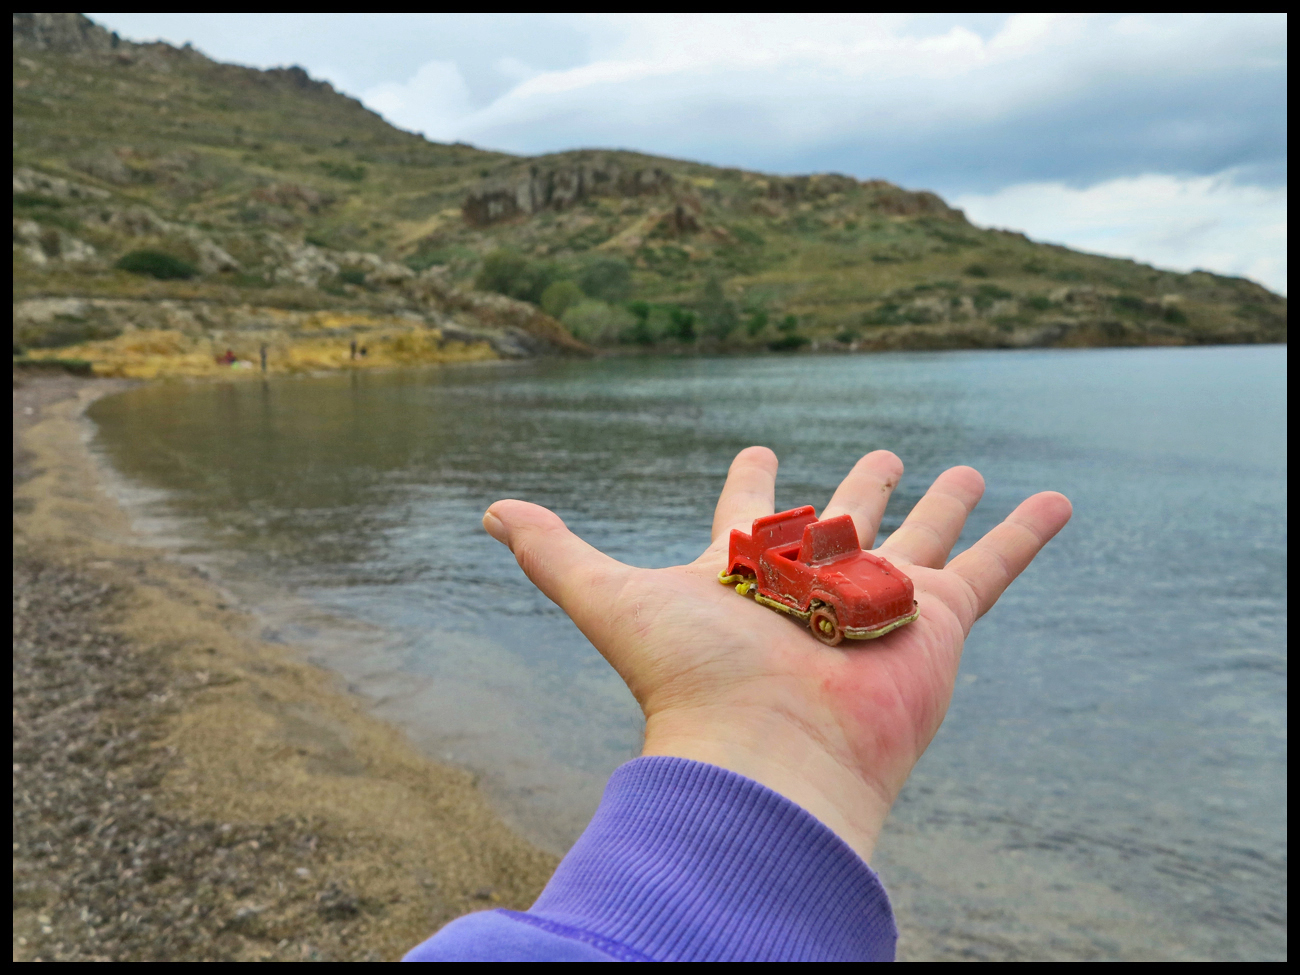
928,534
581,580
749,493
992,563
865,492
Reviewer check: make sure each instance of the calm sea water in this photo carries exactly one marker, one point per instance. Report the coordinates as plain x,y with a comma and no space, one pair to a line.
1111,779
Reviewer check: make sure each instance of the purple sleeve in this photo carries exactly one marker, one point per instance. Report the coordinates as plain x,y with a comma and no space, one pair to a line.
689,862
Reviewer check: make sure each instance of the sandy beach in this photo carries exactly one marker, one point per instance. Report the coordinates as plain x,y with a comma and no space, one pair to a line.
185,791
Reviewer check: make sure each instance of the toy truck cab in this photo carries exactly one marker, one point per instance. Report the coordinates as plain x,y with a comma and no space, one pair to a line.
816,571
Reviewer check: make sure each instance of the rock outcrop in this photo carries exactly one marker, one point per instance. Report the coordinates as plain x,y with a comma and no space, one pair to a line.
30,181
64,32
41,245
541,187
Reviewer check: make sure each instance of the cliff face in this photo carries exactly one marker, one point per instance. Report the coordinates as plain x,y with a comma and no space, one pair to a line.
559,187
263,190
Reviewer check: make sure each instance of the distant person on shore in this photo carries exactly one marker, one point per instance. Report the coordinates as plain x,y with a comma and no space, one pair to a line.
353,353
771,761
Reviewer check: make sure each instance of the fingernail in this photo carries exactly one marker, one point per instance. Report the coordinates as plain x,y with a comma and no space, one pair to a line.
493,526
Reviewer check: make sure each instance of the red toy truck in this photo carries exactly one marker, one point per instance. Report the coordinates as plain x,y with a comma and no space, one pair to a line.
816,571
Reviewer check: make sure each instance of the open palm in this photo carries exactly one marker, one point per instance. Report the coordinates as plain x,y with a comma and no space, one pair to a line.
724,680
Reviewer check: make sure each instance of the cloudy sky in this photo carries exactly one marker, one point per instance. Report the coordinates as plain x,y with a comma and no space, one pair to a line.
1160,137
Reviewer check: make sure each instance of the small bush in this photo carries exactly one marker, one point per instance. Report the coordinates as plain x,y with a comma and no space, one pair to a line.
598,322
640,333
790,339
992,292
157,264
560,296
1175,316
892,313
976,271
28,201
44,209
353,275
514,275
681,324
1131,303
606,279
343,171
757,323
719,314
424,260
986,294
788,343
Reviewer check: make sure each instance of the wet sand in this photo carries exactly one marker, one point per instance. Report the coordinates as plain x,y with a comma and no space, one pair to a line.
185,791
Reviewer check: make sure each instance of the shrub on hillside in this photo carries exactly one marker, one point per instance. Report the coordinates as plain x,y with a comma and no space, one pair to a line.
788,343
606,279
157,264
515,276
790,339
719,314
681,324
559,297
344,171
987,294
599,323
1130,303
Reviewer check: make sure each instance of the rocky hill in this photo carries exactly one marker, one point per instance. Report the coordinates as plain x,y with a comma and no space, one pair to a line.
168,207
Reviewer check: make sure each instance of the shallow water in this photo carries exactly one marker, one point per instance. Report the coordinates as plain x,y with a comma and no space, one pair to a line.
1111,779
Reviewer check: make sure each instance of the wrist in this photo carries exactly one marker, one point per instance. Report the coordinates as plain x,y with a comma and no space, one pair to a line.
777,753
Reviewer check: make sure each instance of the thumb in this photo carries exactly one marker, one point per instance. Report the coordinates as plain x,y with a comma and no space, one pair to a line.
581,580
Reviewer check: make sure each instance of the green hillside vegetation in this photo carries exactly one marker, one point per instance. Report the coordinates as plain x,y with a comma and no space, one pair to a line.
151,174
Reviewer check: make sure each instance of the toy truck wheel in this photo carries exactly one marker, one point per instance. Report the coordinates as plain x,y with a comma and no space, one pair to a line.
825,625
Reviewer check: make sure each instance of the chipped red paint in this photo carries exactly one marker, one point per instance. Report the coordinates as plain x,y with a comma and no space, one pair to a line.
816,571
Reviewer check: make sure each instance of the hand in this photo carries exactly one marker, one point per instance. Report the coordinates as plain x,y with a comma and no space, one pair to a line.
724,680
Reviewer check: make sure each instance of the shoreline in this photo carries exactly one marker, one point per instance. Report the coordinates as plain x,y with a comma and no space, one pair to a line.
100,359
257,794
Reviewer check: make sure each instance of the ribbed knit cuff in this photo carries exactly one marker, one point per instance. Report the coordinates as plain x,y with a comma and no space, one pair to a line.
685,861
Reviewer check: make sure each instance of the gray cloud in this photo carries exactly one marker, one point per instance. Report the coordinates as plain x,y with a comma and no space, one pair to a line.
1108,97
